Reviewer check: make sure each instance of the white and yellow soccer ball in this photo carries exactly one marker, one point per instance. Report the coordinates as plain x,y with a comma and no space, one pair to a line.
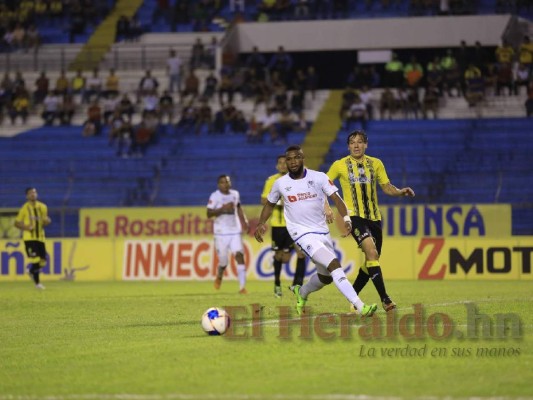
215,321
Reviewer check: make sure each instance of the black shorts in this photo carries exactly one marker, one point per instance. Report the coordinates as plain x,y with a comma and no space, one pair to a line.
363,228
281,240
35,248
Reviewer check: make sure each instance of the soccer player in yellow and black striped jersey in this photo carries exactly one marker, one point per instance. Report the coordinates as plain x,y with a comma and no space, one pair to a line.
282,243
359,175
31,220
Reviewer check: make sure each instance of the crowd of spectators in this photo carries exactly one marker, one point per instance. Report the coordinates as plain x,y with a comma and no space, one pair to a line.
414,90
20,20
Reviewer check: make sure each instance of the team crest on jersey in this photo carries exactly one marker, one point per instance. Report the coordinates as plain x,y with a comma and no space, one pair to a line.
357,232
310,184
309,248
288,188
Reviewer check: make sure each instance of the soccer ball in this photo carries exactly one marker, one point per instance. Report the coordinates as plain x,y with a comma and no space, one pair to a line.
215,321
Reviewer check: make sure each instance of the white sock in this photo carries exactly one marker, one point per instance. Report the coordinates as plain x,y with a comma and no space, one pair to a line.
344,286
311,286
241,272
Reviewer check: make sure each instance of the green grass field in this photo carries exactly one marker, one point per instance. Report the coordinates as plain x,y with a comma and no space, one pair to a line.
122,340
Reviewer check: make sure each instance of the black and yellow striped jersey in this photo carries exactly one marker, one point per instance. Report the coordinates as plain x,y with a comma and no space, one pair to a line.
358,181
33,214
278,218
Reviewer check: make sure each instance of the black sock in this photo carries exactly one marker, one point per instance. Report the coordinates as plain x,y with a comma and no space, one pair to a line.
277,272
34,271
360,281
377,280
299,274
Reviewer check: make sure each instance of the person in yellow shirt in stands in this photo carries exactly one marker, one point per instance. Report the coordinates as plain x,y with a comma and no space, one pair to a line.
525,54
31,219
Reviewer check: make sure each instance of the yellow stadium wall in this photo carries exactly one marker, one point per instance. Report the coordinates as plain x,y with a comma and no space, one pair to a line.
459,242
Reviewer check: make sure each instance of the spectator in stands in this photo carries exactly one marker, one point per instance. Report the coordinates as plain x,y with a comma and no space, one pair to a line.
522,77
267,125
197,53
256,62
479,57
356,113
77,84
394,76
147,84
210,86
51,105
297,101
475,85
365,95
348,98
67,109
204,118
504,78
174,72
200,16
123,132
529,101
42,85
166,107
225,87
210,53
387,103
7,86
525,54
312,81
19,107
434,74
451,75
285,124
93,87
33,38
18,39
94,117
135,29
431,101
504,53
62,84
192,86
122,28
280,98
462,56
126,108
109,105
189,115
112,84
413,73
252,133
281,62
150,105
143,134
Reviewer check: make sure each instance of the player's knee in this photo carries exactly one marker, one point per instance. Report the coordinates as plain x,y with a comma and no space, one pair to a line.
239,257
326,280
285,257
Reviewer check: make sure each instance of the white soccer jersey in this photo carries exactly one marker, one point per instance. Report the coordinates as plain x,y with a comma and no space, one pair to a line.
225,224
303,201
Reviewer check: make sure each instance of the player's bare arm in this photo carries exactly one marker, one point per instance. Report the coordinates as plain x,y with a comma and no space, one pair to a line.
242,218
391,190
23,227
261,228
328,212
343,211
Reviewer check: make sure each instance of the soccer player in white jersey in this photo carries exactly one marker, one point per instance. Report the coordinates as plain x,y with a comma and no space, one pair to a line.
304,192
230,221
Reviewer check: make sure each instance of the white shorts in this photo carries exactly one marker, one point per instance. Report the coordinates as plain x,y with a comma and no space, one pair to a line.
312,243
223,243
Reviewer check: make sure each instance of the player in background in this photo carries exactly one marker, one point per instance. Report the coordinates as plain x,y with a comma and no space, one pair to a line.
359,175
230,221
282,243
304,193
31,220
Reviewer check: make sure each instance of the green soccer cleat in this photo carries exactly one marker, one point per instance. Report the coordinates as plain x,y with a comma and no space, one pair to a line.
300,301
368,310
277,292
